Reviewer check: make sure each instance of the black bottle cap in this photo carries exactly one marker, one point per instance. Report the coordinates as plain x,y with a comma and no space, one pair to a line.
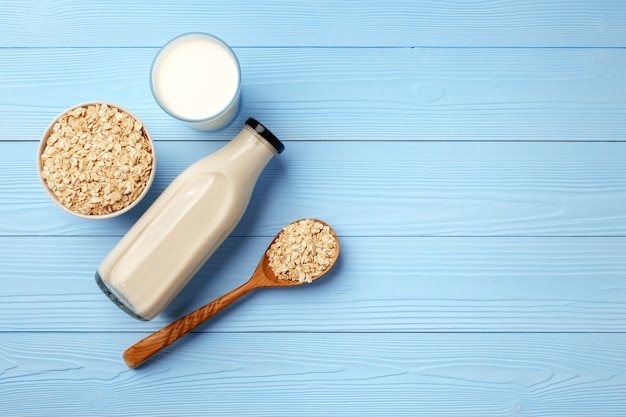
267,135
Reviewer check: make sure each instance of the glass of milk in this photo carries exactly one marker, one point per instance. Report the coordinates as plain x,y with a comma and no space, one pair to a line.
196,78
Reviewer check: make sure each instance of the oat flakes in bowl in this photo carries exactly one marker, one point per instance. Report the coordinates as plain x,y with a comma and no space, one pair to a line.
96,160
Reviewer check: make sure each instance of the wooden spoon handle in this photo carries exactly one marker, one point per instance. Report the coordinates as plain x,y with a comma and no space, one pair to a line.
145,348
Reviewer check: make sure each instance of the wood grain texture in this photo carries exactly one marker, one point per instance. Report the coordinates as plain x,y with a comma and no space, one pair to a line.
347,374
346,94
379,285
470,155
399,188
537,23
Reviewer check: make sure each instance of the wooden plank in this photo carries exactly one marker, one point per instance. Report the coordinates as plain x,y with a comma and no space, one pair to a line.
539,23
344,94
379,189
347,374
381,284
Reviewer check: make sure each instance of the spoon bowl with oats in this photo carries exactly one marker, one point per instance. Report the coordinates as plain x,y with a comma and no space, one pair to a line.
300,253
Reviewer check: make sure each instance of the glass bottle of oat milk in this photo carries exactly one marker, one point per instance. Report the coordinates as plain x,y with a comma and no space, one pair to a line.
186,224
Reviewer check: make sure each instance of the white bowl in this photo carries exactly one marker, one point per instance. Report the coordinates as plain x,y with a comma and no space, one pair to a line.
93,189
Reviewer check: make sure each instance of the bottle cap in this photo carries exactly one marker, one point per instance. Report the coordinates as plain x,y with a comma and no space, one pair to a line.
266,134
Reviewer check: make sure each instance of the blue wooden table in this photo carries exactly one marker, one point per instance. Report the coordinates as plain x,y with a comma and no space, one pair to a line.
471,155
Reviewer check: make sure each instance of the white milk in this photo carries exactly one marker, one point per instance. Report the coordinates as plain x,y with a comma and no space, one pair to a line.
196,78
186,224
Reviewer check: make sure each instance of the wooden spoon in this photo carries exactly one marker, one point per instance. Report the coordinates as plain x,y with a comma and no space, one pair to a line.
262,277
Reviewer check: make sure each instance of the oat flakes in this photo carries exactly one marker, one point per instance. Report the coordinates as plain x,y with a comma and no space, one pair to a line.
303,250
97,159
